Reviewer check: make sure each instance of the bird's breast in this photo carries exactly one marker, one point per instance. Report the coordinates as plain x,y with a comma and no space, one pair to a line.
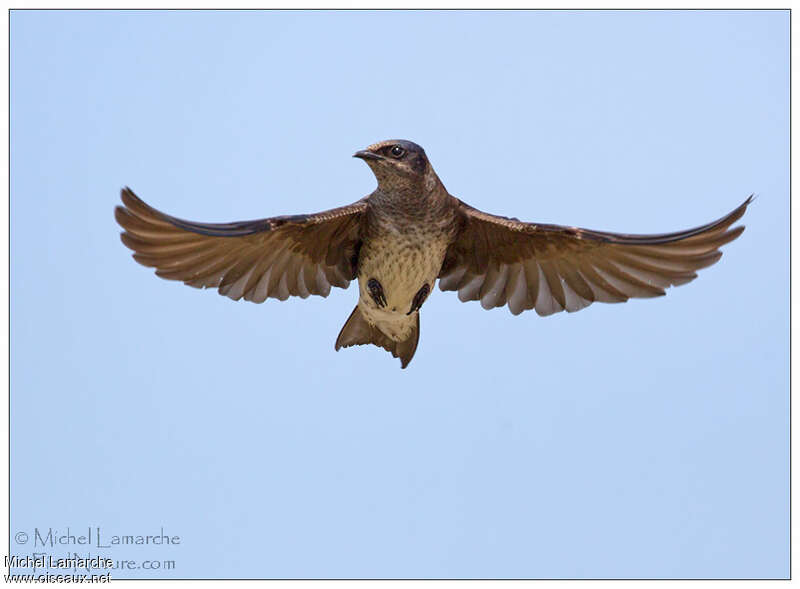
394,269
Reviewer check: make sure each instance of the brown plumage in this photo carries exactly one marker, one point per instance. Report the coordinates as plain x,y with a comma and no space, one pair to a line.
405,235
279,257
552,268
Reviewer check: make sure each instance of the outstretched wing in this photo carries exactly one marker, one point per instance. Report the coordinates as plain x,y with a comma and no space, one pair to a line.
296,255
551,268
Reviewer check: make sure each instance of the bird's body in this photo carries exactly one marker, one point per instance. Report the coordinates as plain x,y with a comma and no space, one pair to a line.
402,264
403,237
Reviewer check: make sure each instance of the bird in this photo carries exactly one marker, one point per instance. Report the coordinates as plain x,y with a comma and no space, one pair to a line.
403,237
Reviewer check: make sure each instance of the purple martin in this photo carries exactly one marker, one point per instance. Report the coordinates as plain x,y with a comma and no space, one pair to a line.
405,235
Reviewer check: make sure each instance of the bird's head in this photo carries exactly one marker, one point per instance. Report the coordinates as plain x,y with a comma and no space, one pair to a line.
396,160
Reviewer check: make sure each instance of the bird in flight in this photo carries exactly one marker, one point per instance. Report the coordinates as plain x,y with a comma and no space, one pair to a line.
404,236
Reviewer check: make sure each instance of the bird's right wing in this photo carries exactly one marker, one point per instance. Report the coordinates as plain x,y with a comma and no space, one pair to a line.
551,268
296,255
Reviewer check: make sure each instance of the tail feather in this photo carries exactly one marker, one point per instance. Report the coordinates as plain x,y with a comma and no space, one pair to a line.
357,331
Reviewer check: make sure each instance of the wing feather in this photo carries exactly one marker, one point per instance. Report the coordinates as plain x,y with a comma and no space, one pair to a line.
552,268
278,257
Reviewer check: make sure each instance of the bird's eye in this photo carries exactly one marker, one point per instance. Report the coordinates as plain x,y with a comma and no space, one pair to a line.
398,151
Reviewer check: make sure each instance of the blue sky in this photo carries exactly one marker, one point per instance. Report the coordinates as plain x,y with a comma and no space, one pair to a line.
648,439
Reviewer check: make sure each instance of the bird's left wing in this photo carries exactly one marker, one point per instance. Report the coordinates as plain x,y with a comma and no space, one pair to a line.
551,268
296,255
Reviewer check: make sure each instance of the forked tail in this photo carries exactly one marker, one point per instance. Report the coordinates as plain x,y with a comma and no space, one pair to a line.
357,331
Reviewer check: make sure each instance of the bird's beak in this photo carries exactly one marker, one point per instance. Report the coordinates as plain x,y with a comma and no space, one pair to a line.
367,155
